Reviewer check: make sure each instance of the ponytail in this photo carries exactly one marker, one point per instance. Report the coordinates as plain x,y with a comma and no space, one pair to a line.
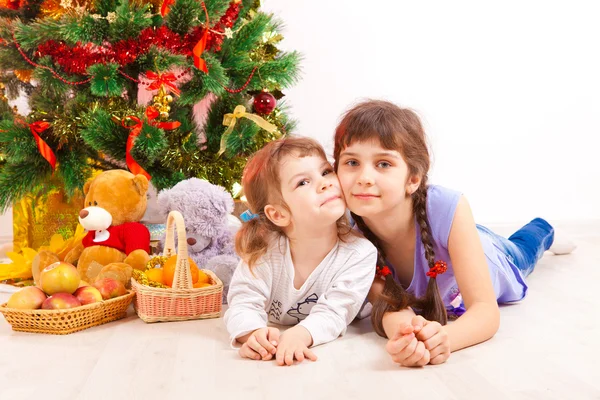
254,237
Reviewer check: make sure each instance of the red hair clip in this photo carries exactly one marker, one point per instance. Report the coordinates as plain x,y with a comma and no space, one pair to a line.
382,271
438,268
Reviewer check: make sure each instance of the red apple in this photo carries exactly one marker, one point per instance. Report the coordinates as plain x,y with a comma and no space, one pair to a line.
88,295
29,298
110,288
61,301
60,277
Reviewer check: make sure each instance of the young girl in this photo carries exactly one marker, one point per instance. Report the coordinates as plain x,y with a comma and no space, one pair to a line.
301,263
432,256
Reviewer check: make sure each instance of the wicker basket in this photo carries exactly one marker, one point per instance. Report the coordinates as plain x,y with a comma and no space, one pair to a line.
181,302
62,322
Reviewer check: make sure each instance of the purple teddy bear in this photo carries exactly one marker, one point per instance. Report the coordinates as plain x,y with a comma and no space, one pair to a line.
206,210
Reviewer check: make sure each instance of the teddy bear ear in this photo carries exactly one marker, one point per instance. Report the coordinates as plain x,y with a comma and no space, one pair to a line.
141,184
86,187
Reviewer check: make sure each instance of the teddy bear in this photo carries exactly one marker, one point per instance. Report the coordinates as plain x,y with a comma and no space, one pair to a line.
206,210
116,242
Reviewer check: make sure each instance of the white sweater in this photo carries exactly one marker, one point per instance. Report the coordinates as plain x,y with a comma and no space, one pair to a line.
326,303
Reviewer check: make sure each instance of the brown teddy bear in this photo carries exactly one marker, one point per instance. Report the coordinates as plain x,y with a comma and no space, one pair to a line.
116,242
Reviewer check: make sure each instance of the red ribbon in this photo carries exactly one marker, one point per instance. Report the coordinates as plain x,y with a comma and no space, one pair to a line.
151,114
159,80
136,128
198,50
201,45
438,268
383,271
164,9
45,150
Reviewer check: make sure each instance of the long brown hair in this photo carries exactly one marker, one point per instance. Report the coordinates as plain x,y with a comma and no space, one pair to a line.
396,129
261,182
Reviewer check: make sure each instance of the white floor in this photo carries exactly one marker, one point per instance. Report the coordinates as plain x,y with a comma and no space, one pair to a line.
547,348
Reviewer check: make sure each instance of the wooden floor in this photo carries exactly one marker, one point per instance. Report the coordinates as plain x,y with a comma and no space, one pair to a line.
548,347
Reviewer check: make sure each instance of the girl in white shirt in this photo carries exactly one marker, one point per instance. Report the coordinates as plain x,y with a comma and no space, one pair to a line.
301,263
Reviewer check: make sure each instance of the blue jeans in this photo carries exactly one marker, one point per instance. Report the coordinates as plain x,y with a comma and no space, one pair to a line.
527,245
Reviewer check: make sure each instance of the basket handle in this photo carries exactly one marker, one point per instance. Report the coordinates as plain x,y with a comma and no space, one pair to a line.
183,276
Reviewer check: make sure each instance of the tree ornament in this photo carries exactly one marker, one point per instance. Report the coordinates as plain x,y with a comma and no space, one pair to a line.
161,103
264,103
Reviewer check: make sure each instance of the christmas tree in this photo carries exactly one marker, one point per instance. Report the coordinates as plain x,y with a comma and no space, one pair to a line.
211,69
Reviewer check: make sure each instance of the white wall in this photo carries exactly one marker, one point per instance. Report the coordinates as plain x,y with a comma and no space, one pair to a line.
509,91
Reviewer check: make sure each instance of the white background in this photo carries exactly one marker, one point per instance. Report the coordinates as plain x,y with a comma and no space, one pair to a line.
509,92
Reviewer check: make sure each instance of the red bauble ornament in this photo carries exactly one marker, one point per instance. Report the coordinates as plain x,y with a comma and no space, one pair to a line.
264,103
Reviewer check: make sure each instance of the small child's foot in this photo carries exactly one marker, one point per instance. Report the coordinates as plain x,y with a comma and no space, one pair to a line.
562,244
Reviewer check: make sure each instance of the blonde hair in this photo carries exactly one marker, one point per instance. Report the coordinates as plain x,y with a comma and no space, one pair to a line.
261,182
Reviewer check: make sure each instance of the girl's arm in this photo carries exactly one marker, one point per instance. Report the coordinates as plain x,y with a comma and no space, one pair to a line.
481,320
340,304
247,298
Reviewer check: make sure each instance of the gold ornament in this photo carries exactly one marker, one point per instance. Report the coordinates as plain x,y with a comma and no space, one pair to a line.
24,75
161,102
55,9
51,9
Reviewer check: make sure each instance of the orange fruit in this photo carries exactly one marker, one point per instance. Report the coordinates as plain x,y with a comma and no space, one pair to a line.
202,277
201,284
169,270
155,274
194,270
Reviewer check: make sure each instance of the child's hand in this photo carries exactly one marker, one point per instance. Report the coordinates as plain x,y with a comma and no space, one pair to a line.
294,345
261,344
434,337
406,350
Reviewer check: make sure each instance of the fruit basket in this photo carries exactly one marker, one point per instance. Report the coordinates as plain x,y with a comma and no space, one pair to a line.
181,302
62,322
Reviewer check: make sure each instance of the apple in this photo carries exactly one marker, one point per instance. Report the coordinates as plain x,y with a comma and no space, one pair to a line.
110,288
60,277
28,298
60,301
88,295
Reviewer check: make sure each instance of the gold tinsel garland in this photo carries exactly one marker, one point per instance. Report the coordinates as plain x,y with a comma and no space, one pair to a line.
141,277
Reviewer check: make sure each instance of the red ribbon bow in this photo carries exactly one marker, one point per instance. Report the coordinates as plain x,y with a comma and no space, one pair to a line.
383,271
159,80
164,9
151,114
198,50
45,150
438,268
201,45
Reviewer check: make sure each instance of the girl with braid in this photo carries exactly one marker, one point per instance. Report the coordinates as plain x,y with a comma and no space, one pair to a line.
434,262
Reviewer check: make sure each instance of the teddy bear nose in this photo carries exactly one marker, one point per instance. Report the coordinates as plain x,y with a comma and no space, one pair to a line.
191,241
83,214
